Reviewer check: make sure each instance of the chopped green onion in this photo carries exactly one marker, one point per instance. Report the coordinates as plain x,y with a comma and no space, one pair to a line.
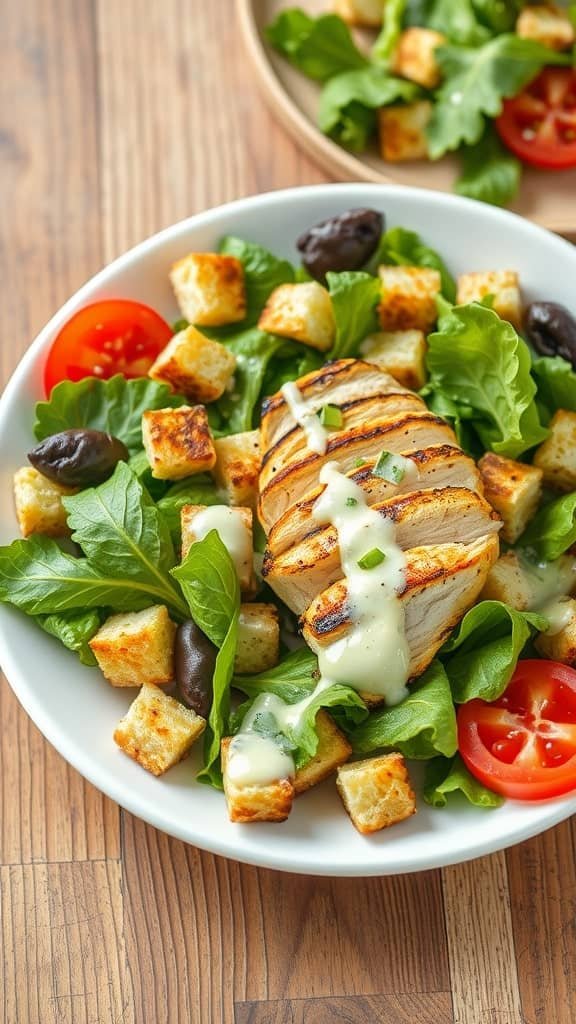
351,502
389,468
359,462
371,559
180,325
331,416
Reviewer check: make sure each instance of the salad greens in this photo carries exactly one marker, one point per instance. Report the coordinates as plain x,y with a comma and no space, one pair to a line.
354,298
490,172
320,47
553,528
74,630
400,247
349,101
263,272
556,382
450,775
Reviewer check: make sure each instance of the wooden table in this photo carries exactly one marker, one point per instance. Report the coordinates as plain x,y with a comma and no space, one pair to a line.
117,119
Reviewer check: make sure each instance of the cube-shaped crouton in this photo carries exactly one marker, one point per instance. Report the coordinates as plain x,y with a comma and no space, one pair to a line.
258,645
513,489
157,731
414,56
302,312
560,644
258,801
376,792
195,366
133,648
402,131
557,456
333,750
178,442
209,288
237,467
507,582
367,13
408,298
234,527
401,353
546,24
501,284
38,502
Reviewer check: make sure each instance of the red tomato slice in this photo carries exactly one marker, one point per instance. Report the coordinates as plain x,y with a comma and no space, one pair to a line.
524,744
113,336
539,125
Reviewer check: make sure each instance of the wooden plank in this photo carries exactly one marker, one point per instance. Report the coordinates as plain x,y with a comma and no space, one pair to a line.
50,243
542,878
432,1008
63,949
481,943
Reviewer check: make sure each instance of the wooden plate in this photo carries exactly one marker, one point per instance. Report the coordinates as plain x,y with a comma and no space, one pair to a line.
549,198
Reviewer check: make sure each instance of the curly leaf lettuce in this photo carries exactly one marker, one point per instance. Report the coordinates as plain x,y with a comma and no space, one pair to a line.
444,776
556,382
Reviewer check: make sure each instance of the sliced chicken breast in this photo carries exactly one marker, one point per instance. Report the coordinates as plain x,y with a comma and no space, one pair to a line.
449,515
438,466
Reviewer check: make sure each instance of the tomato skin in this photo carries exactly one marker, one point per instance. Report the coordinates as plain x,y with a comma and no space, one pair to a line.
523,745
539,125
105,338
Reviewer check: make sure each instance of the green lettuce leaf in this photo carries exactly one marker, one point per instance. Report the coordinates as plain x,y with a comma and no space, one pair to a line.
114,406
263,272
423,725
348,103
210,585
405,248
553,528
290,363
198,490
476,81
478,360
556,382
445,776
355,296
293,679
457,21
490,172
143,472
74,630
481,655
320,47
255,351
392,18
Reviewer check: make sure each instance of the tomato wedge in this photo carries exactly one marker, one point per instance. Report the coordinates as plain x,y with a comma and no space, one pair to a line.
113,336
539,125
524,744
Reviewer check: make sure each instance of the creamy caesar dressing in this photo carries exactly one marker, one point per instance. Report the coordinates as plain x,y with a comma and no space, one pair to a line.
397,469
316,435
231,529
558,613
547,581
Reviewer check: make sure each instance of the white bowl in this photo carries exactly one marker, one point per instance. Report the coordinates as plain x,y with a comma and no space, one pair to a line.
77,710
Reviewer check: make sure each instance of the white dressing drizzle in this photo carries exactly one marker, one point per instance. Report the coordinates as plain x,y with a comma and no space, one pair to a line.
558,613
548,580
316,435
231,529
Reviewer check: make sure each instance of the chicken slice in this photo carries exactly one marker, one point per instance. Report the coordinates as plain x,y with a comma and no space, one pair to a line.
442,583
438,466
452,514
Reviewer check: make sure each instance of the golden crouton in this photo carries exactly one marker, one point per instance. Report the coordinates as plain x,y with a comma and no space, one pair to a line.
178,442
414,56
195,366
332,751
508,583
376,792
514,491
560,645
402,131
234,527
546,24
401,353
302,312
408,298
256,802
501,284
258,645
237,467
157,731
367,13
39,505
133,648
556,457
209,288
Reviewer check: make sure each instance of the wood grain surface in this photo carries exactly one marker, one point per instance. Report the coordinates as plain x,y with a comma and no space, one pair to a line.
115,120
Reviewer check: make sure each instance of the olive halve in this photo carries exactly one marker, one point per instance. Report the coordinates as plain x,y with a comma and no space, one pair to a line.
552,330
344,242
194,661
78,457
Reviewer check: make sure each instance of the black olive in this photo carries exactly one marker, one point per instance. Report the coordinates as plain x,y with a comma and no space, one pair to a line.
194,661
552,330
345,242
78,458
